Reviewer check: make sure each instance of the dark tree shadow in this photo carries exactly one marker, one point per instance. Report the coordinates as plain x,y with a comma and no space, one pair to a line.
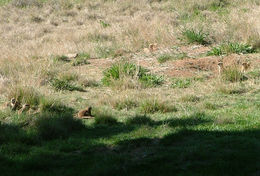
82,150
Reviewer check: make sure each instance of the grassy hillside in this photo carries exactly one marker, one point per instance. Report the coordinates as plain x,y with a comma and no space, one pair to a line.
149,69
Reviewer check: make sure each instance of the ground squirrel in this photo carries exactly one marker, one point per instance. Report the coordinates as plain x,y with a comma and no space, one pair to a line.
245,66
85,113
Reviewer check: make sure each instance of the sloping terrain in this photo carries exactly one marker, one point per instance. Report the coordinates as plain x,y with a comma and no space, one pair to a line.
174,87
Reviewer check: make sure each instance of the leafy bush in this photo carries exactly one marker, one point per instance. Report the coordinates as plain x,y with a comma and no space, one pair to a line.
229,48
153,106
193,36
121,70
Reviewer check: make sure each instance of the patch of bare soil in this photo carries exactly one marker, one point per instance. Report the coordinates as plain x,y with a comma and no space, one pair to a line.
187,67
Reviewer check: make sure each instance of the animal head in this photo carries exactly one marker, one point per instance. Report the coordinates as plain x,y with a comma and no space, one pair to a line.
89,108
220,64
13,101
245,64
153,46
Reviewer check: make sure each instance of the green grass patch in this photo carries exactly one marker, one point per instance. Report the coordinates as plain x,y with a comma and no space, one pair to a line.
230,48
190,98
105,51
61,58
121,70
184,82
193,36
153,106
104,24
233,74
105,119
56,126
126,104
4,2
166,57
50,105
62,84
230,90
25,95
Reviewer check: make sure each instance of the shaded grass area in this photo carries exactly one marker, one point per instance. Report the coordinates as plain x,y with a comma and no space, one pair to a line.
188,146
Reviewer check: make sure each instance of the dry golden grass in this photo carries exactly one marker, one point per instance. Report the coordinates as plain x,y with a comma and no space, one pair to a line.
30,36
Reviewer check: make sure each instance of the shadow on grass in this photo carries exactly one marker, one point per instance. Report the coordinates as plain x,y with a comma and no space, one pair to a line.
107,150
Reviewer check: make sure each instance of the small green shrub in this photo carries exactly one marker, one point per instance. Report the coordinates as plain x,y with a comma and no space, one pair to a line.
229,48
232,74
192,36
150,80
125,69
153,106
63,84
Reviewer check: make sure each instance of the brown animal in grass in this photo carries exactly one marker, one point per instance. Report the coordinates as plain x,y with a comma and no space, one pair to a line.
85,113
245,66
14,104
220,67
153,47
24,108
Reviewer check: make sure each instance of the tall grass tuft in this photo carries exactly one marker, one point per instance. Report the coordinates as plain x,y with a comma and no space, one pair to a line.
193,36
121,70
